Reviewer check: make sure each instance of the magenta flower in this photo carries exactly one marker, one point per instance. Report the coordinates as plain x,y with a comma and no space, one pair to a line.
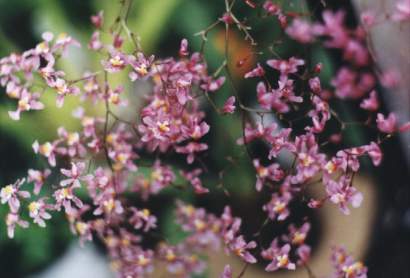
285,67
26,102
183,49
48,150
342,193
74,175
272,173
402,11
140,65
98,19
345,266
229,106
13,219
38,178
190,149
38,211
193,178
212,85
11,194
301,31
386,125
279,257
371,103
256,72
227,273
277,208
65,198
142,219
116,62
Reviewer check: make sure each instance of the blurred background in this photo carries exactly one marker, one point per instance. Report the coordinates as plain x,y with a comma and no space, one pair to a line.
378,232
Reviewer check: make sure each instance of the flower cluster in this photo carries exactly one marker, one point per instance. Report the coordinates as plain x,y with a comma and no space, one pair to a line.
107,159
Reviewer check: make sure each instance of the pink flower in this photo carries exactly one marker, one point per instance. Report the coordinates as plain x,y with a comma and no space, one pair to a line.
26,102
277,208
342,193
345,266
116,62
314,84
368,18
285,67
227,273
38,178
13,219
190,149
11,193
301,31
371,103
38,211
229,106
256,72
279,257
386,125
140,65
193,178
74,175
271,173
65,198
142,219
402,12
183,49
95,42
98,19
48,150
212,85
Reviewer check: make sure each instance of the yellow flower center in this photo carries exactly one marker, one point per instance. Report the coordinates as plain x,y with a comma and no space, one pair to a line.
33,207
116,61
163,127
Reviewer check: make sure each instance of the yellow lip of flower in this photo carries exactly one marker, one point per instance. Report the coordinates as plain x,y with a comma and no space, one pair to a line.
298,238
199,224
115,265
46,149
170,256
65,193
164,126
306,159
89,86
62,36
7,191
279,207
109,205
122,158
23,104
146,212
330,167
9,219
114,98
282,260
188,210
33,207
110,138
141,70
13,94
72,138
116,61
262,172
88,121
81,227
156,174
352,269
142,260
43,47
